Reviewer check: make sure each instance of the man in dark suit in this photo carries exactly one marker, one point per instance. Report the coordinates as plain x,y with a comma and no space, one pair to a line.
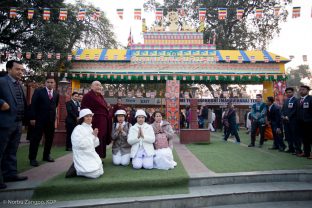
43,113
290,122
230,121
12,111
274,118
72,118
304,116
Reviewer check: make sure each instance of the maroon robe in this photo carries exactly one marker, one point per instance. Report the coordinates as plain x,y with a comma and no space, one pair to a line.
102,119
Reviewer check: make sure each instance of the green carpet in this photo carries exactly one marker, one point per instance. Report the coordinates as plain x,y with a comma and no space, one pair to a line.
22,156
117,181
226,157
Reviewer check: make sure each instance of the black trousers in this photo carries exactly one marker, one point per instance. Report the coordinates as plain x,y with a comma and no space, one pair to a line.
232,130
304,130
9,141
69,130
294,142
277,138
254,126
47,129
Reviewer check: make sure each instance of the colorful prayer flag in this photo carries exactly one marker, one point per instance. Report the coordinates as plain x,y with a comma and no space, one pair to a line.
50,55
63,14
96,57
266,59
305,58
228,59
202,14
120,13
240,59
87,57
222,13
239,13
81,14
30,13
159,14
252,59
296,12
291,57
277,11
137,14
259,13
77,57
181,12
96,14
13,12
277,58
46,13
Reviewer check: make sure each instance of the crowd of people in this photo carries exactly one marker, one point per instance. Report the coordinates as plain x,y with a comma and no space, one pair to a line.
143,138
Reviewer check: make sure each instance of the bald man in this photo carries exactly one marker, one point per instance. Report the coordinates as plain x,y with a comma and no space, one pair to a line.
102,118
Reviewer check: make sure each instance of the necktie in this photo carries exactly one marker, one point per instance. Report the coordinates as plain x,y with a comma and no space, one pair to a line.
50,94
301,101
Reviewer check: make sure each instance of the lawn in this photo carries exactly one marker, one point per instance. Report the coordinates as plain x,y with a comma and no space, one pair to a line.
22,156
226,157
117,181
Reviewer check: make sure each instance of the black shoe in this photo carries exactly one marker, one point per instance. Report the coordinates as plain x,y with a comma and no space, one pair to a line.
260,145
273,148
2,186
48,159
251,145
14,178
289,151
281,149
34,163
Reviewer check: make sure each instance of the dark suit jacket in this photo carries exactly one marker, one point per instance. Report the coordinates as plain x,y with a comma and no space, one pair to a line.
274,116
72,112
7,118
42,108
289,108
304,111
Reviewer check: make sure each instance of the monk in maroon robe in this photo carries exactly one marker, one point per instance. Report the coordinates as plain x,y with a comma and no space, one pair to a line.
102,118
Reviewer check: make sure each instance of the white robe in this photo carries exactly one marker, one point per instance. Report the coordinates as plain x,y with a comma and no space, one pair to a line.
87,162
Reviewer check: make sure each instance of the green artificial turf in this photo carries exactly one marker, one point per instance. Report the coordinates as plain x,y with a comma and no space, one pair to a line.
117,181
22,156
226,157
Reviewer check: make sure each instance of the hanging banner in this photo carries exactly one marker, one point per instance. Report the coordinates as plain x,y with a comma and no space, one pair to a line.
13,13
137,14
120,13
63,14
277,11
259,13
159,14
228,59
46,14
30,13
81,14
239,13
96,14
296,12
202,14
222,13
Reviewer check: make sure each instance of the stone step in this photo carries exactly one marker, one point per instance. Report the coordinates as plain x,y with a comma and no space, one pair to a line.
204,196
284,204
253,177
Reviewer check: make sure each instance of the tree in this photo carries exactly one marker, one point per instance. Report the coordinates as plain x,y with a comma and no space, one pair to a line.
296,76
54,36
231,33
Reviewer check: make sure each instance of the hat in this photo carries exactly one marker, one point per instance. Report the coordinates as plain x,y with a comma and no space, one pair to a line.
85,112
120,112
140,112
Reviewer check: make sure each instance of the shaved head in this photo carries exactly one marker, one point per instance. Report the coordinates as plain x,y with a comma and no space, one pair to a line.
96,86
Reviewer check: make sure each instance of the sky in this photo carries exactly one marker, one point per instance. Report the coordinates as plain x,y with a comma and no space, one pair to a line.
294,39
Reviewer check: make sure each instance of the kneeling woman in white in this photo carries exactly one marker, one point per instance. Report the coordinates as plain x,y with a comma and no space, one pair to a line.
141,138
121,148
163,143
84,140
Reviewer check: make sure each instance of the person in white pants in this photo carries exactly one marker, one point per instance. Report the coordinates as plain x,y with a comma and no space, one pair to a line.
121,148
141,138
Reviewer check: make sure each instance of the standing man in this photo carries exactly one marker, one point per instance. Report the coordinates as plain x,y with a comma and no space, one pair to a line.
289,110
102,118
231,122
258,120
43,113
12,111
304,116
71,119
274,118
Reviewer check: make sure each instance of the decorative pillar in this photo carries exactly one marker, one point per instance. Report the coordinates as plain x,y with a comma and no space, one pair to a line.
64,88
173,103
193,109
